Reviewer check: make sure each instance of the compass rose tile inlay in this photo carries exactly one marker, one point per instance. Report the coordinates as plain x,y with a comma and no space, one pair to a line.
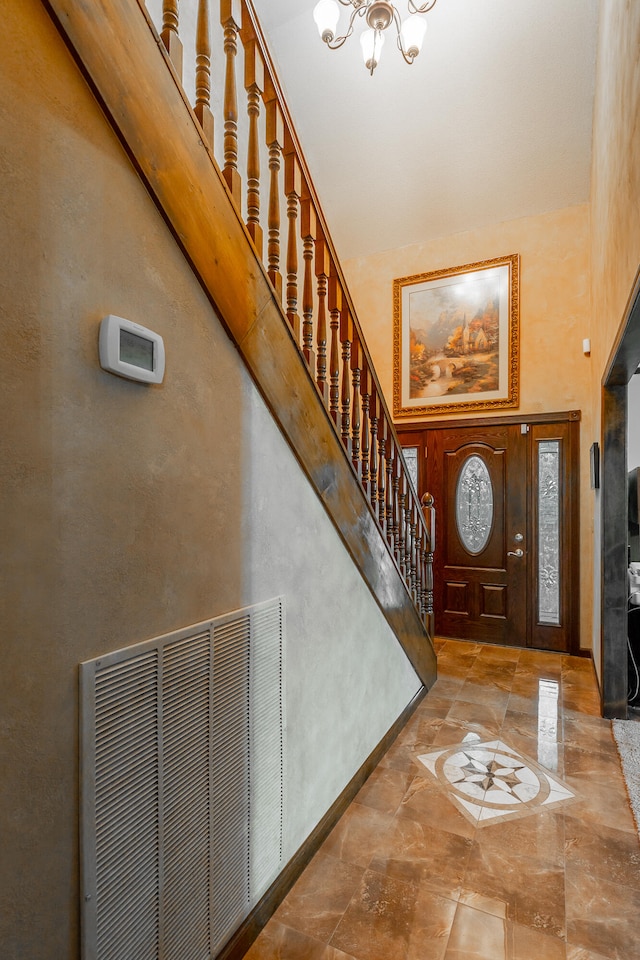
489,780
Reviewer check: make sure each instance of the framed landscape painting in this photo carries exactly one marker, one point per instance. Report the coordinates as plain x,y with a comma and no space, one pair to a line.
456,339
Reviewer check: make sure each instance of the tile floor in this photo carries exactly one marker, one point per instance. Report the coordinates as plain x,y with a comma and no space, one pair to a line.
496,827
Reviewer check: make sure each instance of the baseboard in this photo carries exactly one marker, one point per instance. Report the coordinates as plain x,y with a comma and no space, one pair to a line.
244,936
585,652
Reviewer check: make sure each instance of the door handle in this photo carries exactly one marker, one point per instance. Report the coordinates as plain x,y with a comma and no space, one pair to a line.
515,553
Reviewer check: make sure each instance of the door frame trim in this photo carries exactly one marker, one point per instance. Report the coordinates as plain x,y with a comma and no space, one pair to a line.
568,416
415,426
623,362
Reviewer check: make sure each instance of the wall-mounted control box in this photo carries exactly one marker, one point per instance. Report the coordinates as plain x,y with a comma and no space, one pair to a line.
131,350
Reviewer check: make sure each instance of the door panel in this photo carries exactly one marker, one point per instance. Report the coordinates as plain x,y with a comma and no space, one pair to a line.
478,589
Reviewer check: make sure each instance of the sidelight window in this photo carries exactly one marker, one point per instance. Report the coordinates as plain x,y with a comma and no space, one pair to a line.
549,531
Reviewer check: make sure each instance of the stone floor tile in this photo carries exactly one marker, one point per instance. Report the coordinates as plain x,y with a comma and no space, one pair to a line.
540,836
428,803
425,854
602,916
279,942
378,921
603,851
589,733
384,789
356,836
531,889
446,687
490,716
476,934
525,943
316,903
484,692
431,926
581,953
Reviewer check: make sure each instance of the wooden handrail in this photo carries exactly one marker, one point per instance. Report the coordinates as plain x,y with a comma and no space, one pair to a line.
317,302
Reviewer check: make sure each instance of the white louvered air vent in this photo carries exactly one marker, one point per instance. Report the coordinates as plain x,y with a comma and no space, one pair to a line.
182,780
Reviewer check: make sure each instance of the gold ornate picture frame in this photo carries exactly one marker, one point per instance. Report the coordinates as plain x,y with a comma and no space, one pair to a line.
456,339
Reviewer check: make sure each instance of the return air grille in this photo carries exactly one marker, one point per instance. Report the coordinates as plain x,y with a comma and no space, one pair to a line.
230,780
182,778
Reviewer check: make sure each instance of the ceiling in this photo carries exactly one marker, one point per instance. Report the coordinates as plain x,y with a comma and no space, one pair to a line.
492,122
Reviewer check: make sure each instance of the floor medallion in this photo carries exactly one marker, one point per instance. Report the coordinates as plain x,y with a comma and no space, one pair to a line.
488,780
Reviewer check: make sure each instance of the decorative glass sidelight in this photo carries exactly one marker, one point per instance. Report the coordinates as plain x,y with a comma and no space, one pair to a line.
474,504
549,531
410,455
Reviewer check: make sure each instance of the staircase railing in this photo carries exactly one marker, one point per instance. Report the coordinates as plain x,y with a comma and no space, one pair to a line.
219,54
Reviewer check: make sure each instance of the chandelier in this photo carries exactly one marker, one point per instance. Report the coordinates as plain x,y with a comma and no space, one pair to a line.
379,14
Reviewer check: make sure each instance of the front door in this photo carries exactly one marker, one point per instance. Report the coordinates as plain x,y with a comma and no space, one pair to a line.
480,568
505,562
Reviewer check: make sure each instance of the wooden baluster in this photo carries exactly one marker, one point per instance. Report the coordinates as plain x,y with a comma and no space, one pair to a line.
356,368
410,532
202,107
397,468
382,476
388,509
309,234
293,190
365,393
373,457
428,510
275,142
425,555
414,558
407,531
402,519
419,564
230,18
254,85
335,309
346,337
323,269
170,36
409,545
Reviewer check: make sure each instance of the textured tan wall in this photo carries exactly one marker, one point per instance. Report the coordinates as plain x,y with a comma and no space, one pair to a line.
107,537
554,299
555,317
128,511
615,199
615,183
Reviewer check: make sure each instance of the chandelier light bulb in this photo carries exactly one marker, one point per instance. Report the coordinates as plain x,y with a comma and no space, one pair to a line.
371,42
326,15
412,34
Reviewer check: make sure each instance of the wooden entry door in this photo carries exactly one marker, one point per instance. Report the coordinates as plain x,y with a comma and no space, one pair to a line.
505,564
480,583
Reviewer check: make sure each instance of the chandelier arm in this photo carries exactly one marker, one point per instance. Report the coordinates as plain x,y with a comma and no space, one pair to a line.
423,8
396,20
337,42
405,56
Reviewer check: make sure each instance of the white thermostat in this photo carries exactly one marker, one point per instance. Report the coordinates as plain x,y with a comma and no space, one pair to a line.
130,350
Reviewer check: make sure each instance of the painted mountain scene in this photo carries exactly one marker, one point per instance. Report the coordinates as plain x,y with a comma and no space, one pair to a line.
454,337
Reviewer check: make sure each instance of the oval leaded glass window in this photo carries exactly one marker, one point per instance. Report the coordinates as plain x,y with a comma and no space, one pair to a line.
474,504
